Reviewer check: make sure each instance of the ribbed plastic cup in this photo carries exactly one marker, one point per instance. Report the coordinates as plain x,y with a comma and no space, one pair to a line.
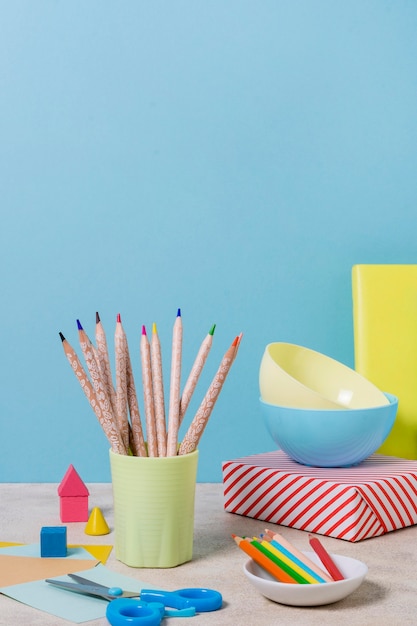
154,509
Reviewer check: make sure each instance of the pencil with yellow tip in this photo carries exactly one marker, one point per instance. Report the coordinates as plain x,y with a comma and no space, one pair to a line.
158,392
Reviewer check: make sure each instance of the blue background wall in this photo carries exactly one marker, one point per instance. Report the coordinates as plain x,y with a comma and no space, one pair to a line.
234,159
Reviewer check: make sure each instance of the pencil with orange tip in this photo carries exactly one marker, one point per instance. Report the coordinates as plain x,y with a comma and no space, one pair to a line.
263,560
195,372
145,354
158,392
199,422
110,429
174,389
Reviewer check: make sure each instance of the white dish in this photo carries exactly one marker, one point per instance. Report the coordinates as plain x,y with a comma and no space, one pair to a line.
309,594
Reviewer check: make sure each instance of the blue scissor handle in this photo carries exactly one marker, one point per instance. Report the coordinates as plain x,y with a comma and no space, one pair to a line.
130,612
199,598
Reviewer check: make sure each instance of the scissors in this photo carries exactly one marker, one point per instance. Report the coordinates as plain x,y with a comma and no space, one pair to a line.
125,608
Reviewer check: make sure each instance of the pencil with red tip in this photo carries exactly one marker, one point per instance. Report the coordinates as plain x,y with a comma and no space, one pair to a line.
325,558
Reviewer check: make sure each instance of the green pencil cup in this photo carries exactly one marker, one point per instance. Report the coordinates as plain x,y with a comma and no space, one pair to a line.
153,509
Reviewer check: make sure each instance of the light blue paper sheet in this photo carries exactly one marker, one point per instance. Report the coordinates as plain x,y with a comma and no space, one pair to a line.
33,550
65,604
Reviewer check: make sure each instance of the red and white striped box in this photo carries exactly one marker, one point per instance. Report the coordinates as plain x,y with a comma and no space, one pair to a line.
353,503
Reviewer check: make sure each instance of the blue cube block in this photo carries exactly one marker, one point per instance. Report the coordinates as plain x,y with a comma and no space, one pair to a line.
53,541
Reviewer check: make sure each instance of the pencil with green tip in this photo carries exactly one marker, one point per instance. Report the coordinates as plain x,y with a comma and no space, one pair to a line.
195,372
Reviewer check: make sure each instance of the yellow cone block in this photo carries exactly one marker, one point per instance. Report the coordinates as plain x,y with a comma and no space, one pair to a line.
96,524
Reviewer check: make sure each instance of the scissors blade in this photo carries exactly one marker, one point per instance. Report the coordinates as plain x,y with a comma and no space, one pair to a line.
101,591
87,590
88,583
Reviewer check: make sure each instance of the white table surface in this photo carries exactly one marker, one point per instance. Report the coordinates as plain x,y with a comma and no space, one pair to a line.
388,595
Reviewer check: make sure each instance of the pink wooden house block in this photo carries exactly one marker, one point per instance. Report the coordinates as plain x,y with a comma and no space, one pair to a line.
73,495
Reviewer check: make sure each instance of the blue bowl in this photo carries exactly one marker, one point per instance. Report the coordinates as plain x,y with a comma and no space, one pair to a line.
327,437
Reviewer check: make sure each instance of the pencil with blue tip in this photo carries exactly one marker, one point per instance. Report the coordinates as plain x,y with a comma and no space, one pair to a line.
174,387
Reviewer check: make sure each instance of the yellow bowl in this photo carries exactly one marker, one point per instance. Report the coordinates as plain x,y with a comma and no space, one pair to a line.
295,376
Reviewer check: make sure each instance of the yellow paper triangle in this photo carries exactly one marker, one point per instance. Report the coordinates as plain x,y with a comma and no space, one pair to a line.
98,552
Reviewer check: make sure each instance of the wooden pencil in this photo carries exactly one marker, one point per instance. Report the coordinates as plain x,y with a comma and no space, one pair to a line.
91,358
195,372
104,362
120,347
136,437
110,429
148,394
175,386
158,392
199,422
